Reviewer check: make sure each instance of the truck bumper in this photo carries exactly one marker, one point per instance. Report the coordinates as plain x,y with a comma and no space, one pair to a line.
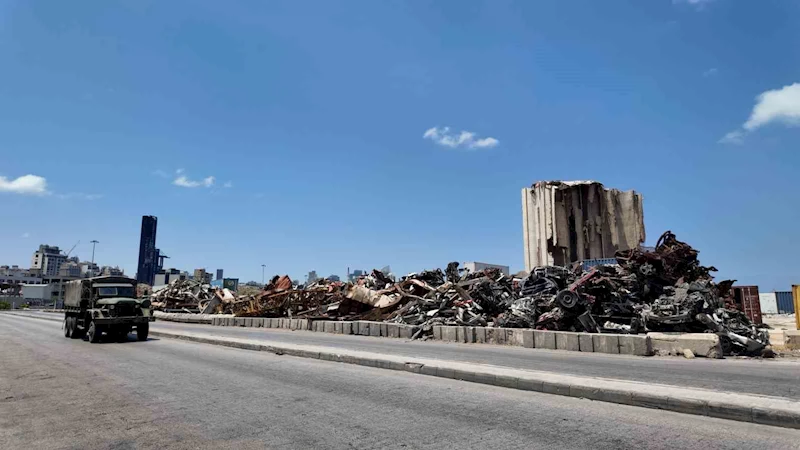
123,320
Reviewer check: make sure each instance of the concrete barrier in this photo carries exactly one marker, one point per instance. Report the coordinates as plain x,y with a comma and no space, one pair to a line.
544,339
514,336
569,341
701,344
606,343
791,339
585,342
635,345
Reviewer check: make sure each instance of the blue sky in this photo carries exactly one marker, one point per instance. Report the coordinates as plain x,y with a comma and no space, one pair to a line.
291,133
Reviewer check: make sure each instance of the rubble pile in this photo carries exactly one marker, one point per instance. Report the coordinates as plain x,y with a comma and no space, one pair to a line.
663,290
192,296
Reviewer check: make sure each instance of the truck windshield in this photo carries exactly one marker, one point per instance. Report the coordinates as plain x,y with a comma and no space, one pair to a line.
115,292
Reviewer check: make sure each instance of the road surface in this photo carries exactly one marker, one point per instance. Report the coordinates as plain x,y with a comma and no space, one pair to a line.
63,393
747,376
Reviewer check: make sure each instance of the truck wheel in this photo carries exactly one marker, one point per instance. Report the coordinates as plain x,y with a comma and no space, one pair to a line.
94,333
141,331
77,333
68,327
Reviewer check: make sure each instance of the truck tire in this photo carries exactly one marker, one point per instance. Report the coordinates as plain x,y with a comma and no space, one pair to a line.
77,333
68,327
141,331
94,333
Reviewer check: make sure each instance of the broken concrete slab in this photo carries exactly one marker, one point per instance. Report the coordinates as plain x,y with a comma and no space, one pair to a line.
792,339
701,344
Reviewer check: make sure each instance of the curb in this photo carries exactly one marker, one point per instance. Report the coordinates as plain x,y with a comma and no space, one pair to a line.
743,408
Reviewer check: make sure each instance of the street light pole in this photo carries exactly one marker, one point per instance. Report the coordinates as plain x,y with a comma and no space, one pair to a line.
263,266
93,242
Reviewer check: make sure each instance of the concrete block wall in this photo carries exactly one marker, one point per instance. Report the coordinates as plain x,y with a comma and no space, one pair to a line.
639,345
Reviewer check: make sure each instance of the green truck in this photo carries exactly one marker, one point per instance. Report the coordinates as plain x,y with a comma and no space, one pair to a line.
107,304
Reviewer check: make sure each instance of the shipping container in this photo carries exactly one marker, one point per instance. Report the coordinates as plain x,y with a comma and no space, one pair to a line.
796,297
769,303
589,263
746,300
785,302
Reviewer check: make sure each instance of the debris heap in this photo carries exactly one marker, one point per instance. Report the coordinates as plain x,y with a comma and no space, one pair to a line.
661,290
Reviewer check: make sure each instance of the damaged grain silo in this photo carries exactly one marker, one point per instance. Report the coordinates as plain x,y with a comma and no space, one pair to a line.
569,221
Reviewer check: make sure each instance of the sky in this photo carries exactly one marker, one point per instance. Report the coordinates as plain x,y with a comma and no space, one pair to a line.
316,135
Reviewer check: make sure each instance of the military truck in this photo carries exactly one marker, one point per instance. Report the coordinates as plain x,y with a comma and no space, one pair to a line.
106,304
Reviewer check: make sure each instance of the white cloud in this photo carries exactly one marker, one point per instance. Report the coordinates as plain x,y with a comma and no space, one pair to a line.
779,105
442,136
228,184
184,181
710,72
26,235
26,184
775,106
734,137
488,142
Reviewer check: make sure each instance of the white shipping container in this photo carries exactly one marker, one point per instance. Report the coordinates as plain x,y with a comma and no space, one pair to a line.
769,303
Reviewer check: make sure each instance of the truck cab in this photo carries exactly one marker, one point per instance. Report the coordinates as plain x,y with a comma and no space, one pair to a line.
105,305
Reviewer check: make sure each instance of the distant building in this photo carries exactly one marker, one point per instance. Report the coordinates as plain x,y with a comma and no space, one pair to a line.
219,274
70,269
148,256
112,271
473,267
167,276
202,276
16,275
312,277
354,275
48,260
89,269
334,278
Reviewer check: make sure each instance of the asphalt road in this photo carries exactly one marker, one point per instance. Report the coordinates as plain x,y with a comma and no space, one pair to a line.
62,393
777,378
